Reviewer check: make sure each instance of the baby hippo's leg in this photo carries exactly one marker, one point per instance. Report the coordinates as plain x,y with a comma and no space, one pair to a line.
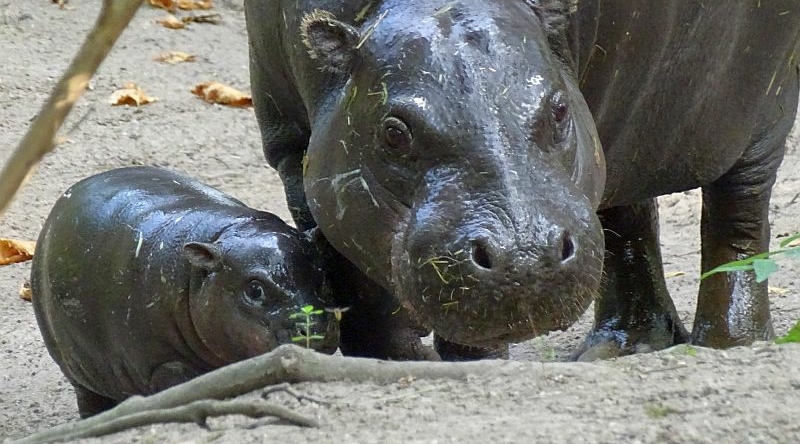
171,374
90,403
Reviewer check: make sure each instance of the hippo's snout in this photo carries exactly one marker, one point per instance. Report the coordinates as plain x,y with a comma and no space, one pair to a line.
487,254
478,279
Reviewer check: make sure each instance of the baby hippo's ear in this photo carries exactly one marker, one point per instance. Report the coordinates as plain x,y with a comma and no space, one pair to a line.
331,42
203,255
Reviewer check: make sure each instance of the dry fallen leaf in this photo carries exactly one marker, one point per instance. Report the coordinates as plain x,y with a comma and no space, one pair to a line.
169,5
130,94
189,5
25,291
186,5
61,3
673,274
175,57
213,92
171,22
214,19
13,251
777,290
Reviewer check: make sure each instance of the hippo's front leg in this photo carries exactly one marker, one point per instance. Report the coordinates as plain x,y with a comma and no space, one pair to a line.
633,312
732,308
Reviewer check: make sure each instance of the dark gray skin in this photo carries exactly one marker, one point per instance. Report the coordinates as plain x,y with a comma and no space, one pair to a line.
446,149
144,278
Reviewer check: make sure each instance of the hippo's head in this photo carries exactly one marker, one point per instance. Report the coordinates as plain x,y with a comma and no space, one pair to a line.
456,163
255,277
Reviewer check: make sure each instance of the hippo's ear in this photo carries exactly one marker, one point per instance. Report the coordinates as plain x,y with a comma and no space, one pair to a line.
331,42
203,255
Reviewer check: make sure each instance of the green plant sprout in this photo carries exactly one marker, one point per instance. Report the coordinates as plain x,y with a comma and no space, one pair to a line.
792,336
305,315
763,264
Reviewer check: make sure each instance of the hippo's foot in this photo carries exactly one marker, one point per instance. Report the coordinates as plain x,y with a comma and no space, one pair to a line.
605,342
90,403
633,312
450,351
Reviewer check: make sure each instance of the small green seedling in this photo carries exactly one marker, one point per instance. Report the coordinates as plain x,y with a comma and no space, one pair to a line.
305,315
792,336
763,264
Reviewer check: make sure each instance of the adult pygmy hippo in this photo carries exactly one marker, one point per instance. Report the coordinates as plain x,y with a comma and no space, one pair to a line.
459,154
144,278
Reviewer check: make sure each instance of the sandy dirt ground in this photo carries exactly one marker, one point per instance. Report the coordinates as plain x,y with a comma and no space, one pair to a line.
746,394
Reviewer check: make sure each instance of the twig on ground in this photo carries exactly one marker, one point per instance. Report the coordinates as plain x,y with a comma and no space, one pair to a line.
287,363
287,388
38,141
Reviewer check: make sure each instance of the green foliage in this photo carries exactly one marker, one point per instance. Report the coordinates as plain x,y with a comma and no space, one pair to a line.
306,314
763,264
792,336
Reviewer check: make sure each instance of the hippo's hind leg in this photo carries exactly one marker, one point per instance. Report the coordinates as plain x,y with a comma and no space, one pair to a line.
91,403
633,312
732,308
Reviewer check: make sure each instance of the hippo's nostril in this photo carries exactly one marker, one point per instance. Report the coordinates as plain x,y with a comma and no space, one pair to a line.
567,247
480,254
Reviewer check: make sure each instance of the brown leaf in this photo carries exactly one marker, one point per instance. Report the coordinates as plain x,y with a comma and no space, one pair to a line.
777,290
189,5
214,19
214,92
175,57
169,5
673,274
13,251
131,95
25,291
171,22
61,3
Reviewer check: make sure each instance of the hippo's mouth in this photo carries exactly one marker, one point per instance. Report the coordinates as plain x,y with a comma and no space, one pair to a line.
471,300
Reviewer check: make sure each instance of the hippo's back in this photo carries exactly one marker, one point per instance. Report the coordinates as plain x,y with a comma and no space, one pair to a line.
680,90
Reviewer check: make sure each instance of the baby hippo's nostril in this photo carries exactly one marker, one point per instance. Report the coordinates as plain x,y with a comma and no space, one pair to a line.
567,247
480,254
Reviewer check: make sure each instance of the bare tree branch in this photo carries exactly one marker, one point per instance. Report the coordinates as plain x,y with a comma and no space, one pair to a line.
38,141
287,363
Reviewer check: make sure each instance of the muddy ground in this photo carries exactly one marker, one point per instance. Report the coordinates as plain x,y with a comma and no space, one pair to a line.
746,394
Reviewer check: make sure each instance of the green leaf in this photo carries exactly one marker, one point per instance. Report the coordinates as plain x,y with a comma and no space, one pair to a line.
316,312
725,268
793,252
298,338
792,336
764,268
297,315
316,337
307,309
789,240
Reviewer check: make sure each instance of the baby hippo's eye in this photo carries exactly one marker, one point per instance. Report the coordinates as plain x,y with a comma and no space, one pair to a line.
396,134
255,291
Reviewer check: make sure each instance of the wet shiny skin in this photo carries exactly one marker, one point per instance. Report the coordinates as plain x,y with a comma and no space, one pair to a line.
141,279
477,211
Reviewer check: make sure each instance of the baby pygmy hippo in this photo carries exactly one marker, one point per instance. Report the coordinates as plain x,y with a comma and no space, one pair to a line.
143,279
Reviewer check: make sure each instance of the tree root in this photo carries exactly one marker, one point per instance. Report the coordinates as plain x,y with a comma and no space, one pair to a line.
38,141
287,363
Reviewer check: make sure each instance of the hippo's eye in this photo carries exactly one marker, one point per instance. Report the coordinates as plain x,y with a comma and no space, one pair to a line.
396,134
560,113
255,291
